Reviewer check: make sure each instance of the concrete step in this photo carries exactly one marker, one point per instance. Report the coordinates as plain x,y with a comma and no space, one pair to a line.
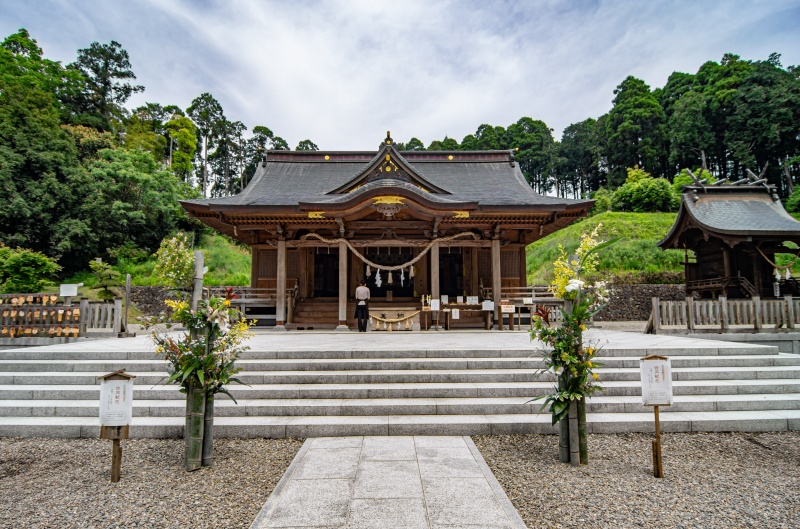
322,426
706,373
225,407
404,390
144,378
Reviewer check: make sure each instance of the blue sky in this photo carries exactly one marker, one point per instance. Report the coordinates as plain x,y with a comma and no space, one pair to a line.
344,72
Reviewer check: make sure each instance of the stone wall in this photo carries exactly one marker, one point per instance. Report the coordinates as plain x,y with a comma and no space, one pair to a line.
150,300
635,302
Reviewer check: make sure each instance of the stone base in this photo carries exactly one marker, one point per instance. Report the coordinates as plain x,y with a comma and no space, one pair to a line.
342,328
279,328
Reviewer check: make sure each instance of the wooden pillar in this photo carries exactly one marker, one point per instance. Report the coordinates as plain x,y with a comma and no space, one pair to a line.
476,288
342,287
789,311
757,313
496,282
302,281
523,267
280,300
434,253
254,266
723,313
656,316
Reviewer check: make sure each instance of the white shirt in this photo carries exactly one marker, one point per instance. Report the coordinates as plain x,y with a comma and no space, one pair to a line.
362,294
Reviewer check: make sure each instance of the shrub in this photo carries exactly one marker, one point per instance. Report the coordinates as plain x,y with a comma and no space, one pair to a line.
603,197
175,262
649,195
23,270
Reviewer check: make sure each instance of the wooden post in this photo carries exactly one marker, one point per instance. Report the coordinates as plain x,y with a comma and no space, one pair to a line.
723,313
127,299
280,285
475,282
342,287
757,313
658,467
434,253
656,316
116,461
497,283
83,322
254,265
690,313
197,280
117,316
789,311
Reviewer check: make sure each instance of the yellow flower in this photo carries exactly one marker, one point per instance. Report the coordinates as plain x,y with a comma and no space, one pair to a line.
583,327
595,376
227,303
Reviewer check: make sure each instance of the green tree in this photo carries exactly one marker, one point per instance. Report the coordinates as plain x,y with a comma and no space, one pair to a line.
182,135
447,144
635,128
206,112
107,69
580,149
24,271
307,145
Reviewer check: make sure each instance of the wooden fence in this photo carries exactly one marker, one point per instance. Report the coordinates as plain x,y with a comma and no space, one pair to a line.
724,315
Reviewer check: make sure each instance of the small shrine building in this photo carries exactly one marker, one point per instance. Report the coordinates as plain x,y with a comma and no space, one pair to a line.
413,223
734,232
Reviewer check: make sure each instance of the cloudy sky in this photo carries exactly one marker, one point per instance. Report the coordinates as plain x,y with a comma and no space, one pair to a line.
344,72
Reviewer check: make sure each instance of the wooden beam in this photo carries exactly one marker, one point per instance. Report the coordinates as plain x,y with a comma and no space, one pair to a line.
280,304
496,281
342,287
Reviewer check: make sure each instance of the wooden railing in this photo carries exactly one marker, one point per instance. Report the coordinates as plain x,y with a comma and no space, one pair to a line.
519,293
244,297
724,315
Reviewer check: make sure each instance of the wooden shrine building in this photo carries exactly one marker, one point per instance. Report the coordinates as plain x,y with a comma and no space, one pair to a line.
413,223
734,232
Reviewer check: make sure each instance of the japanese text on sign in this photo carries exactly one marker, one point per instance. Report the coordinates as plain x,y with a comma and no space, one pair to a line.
656,375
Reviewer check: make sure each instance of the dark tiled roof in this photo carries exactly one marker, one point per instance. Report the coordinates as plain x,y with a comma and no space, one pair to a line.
731,212
484,177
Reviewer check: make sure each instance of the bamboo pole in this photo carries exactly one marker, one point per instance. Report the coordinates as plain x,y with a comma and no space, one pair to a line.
583,441
193,431
574,450
208,431
563,428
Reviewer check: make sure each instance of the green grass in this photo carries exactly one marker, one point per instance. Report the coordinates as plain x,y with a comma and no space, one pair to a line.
634,258
228,264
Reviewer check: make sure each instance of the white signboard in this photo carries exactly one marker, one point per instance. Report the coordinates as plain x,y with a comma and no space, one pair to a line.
472,300
459,299
455,314
69,290
527,301
434,304
116,402
507,309
488,304
656,381
445,299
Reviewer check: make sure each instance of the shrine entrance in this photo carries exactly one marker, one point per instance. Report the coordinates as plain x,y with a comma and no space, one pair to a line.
326,273
399,287
451,273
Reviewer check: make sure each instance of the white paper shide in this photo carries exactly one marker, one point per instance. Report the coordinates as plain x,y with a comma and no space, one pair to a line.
116,402
656,381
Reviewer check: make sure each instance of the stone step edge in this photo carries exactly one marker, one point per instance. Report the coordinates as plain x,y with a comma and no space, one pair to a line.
319,426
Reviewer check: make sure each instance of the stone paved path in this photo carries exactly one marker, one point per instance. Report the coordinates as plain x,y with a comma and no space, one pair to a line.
415,482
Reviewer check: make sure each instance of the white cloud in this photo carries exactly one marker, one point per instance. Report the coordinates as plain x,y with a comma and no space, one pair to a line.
343,72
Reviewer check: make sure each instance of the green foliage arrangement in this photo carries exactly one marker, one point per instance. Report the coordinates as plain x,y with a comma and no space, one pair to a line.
567,357
648,195
202,361
24,271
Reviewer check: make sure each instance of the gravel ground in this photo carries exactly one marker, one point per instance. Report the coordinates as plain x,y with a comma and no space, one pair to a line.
711,480
64,483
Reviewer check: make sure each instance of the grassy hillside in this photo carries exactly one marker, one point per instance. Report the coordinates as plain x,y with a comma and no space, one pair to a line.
635,258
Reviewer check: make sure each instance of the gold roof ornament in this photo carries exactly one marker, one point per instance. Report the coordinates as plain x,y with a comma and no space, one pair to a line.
388,199
316,214
461,214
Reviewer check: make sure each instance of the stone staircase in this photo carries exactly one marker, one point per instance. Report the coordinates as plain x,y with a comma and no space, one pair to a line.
429,383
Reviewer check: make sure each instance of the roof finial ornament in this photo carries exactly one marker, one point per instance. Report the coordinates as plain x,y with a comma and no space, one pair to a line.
389,140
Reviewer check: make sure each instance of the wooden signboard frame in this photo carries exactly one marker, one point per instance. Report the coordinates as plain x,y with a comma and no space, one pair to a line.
648,400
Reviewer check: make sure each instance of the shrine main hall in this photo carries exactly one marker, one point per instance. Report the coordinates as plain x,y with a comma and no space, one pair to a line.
412,223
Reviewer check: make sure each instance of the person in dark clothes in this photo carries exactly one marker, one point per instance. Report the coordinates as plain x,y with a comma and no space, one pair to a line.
362,305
